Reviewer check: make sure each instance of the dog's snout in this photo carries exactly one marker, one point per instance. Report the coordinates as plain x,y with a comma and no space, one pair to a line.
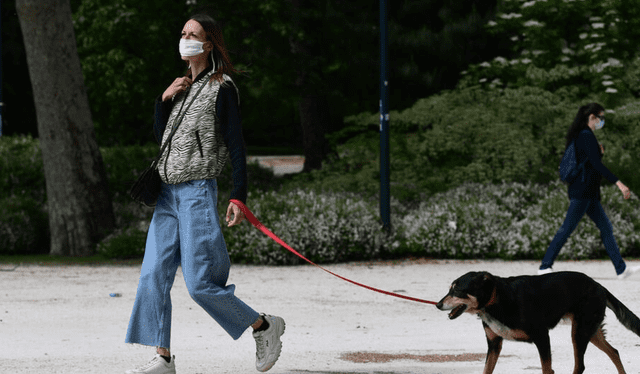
441,304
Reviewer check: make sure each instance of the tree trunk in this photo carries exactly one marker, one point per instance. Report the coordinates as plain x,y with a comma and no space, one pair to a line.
79,205
314,119
313,106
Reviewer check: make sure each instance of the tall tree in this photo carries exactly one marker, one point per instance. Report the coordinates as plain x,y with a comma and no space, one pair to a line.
128,58
300,56
312,98
80,210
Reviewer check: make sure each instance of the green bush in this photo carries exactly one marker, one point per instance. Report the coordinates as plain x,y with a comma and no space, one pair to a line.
473,135
124,164
124,244
258,178
21,170
24,227
621,139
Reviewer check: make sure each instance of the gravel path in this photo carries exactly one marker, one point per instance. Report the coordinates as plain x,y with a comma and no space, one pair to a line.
61,319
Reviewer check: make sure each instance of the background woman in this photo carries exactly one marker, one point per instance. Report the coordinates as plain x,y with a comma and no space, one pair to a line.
584,192
185,229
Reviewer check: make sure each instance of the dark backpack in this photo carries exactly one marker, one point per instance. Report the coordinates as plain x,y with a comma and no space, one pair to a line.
569,169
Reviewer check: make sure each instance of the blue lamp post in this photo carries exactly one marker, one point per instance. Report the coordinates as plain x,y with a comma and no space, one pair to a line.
385,194
1,102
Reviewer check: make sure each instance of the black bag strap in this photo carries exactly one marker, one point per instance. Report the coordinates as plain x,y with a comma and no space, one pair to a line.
180,116
576,146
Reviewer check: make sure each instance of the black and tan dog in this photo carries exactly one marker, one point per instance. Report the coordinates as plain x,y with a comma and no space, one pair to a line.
525,308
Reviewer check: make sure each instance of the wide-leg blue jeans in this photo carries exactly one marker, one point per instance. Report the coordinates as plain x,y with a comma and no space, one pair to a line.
577,209
185,231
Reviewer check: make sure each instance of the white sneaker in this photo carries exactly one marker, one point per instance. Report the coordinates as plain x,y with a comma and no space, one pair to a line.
628,271
268,344
545,271
157,365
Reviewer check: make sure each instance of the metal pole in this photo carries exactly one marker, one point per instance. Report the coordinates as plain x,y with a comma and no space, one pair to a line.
385,194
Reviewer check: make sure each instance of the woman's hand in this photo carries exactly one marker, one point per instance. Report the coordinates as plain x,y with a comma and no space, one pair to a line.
238,216
624,189
179,85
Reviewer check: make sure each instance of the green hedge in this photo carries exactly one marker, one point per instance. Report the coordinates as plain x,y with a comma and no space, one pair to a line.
474,135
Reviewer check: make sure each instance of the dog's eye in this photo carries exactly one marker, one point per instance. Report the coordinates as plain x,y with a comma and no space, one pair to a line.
459,294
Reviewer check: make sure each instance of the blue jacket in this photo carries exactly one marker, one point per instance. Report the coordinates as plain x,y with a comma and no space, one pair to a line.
587,147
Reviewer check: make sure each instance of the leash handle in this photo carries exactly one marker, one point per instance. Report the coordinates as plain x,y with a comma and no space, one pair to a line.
255,222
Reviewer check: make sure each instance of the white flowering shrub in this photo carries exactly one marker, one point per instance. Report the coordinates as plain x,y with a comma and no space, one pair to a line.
517,221
509,221
585,44
471,221
328,227
625,218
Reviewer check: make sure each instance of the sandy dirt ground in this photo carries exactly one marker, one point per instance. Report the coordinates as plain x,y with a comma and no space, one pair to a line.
62,319
280,165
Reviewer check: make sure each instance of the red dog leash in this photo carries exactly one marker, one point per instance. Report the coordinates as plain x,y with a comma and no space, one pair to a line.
254,221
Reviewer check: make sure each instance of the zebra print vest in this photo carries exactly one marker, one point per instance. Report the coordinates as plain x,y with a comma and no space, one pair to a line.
197,149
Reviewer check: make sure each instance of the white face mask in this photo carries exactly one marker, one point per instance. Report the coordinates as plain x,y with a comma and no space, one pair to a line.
190,47
600,124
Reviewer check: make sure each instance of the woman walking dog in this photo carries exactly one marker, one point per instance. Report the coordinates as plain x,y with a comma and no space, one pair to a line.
185,229
584,191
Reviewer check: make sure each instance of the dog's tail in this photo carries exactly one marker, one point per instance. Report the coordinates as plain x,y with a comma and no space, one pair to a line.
625,316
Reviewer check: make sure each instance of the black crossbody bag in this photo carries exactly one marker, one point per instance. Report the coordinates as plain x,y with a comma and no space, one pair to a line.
147,188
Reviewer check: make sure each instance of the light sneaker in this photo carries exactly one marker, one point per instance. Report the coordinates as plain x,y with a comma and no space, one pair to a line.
268,344
157,365
545,271
628,271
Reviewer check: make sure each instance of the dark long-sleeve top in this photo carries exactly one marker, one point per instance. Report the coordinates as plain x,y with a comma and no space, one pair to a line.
587,147
230,122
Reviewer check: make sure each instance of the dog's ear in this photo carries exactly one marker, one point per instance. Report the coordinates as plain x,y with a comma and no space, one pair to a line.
488,279
488,285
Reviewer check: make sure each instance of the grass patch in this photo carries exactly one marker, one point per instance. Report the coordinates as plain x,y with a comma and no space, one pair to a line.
48,260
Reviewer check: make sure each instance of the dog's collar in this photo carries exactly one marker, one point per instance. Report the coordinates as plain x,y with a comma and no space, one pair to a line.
493,299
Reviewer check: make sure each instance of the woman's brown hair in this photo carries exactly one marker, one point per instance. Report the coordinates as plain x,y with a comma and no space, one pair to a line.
219,58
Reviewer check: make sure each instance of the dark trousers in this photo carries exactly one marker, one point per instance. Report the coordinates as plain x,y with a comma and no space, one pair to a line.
577,209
